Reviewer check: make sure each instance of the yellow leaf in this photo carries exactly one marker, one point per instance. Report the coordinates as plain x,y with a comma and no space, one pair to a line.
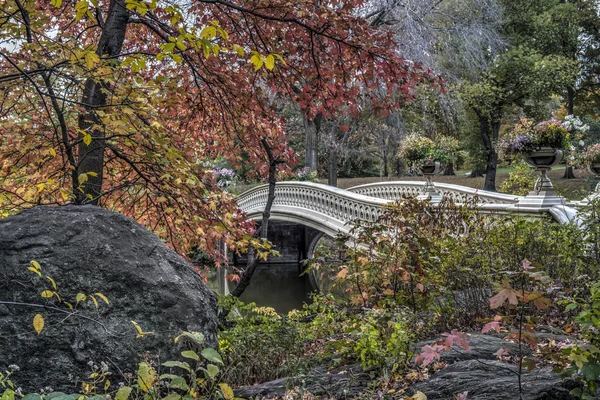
52,282
228,392
32,269
82,178
92,173
87,139
208,32
94,300
418,396
270,62
257,60
69,305
106,385
141,333
47,294
52,152
239,49
38,323
146,376
36,264
80,297
103,297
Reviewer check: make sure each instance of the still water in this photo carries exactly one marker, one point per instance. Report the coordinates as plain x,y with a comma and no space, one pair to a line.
278,286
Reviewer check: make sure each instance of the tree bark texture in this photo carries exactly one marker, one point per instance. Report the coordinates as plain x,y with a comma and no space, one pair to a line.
91,157
332,161
489,133
570,106
311,128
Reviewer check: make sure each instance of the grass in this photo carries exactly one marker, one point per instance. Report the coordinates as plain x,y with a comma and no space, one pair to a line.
572,189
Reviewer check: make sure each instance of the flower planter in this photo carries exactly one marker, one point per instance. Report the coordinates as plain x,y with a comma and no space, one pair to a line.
429,191
543,160
546,157
431,168
594,168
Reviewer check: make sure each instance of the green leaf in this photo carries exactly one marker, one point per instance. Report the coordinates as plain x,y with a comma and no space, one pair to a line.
179,364
172,396
590,372
8,394
190,354
212,355
194,337
212,370
123,393
179,383
80,296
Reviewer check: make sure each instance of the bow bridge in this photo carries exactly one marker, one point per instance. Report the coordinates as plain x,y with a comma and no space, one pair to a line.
303,211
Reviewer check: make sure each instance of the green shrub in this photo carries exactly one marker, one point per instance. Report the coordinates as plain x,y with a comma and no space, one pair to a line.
520,181
260,345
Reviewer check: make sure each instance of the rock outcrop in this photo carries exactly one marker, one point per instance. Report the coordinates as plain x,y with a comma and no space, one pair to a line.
86,249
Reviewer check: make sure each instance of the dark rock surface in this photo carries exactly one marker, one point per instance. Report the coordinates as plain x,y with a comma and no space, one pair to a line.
340,383
493,380
89,249
483,347
479,373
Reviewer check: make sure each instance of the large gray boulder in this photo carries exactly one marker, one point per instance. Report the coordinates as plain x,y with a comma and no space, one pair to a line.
87,249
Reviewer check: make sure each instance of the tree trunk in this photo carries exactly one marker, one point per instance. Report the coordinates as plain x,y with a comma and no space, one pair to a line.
570,100
477,173
264,227
311,128
386,172
449,170
570,106
569,174
492,156
91,157
332,162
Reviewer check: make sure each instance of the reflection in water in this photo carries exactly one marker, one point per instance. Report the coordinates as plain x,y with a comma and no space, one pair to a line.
277,286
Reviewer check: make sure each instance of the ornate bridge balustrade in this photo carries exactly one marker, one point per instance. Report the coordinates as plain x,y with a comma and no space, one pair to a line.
322,207
329,209
459,194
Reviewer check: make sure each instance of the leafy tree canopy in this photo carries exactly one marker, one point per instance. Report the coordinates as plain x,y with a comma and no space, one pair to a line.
119,102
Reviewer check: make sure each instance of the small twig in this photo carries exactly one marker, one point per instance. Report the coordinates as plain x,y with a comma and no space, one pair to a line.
51,308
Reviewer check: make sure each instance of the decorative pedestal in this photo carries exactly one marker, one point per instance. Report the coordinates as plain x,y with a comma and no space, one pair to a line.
429,192
543,194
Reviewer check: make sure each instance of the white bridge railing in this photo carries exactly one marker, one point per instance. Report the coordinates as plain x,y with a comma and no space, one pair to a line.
330,209
458,194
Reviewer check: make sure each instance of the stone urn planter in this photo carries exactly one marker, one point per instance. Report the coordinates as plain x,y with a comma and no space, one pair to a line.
429,191
431,168
543,160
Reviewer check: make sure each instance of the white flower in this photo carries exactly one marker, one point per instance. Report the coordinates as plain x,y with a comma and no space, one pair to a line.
572,148
581,143
572,158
